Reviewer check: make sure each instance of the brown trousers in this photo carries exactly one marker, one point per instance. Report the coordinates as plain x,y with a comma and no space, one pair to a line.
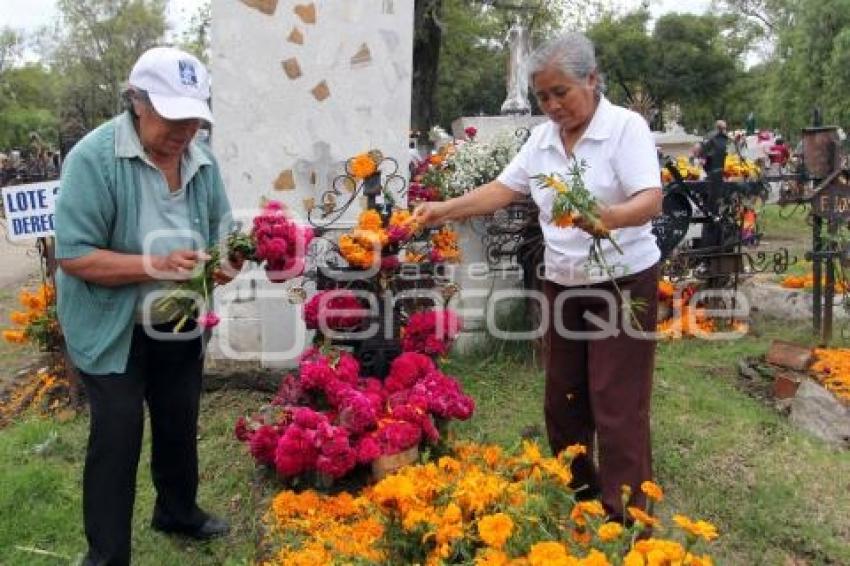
602,387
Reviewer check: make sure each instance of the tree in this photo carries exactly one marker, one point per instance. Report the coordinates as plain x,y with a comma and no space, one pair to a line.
98,43
623,53
28,105
11,42
427,30
196,38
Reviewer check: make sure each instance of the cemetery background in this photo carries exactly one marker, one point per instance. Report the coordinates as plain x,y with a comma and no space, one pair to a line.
715,447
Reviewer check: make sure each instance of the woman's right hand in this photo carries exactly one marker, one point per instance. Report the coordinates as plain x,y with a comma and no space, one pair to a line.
430,213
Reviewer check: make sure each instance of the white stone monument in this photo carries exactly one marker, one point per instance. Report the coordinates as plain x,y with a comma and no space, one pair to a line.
297,89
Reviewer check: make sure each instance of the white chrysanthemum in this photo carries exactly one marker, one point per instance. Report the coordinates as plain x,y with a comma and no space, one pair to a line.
476,163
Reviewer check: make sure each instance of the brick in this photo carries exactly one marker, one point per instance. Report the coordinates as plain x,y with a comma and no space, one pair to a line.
788,355
785,384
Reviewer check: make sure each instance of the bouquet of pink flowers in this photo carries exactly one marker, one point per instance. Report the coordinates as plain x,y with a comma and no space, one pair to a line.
329,419
275,240
280,242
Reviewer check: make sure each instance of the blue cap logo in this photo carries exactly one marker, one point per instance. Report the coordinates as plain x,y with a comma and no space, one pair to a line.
187,74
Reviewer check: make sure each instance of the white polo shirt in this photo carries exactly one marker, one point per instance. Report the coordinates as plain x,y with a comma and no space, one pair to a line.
621,161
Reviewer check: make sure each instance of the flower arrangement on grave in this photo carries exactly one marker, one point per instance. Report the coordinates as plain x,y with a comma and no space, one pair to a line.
37,322
462,165
276,242
339,413
682,316
482,506
328,418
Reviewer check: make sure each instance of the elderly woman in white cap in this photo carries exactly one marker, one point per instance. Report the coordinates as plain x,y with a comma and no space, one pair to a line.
140,202
598,381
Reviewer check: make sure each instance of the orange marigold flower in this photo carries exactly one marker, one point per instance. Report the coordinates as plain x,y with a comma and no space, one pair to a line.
15,336
581,536
642,517
575,450
699,529
495,529
704,560
591,508
610,531
362,165
20,318
492,557
652,490
595,558
547,554
563,221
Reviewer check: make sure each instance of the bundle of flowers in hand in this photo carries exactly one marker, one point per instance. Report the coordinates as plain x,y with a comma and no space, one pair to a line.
275,241
37,322
480,506
329,419
280,243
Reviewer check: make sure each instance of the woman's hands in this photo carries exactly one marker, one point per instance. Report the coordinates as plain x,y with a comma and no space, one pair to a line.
179,265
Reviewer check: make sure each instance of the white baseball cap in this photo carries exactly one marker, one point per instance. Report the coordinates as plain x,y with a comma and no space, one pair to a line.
177,82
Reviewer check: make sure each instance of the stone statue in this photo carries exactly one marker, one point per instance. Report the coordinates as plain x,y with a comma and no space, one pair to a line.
520,48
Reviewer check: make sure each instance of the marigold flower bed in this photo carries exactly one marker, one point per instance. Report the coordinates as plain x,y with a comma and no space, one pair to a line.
480,506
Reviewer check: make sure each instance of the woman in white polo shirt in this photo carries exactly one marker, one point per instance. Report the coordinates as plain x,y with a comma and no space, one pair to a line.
597,382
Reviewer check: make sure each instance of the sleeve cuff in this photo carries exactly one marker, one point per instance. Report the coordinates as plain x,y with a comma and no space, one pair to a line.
71,251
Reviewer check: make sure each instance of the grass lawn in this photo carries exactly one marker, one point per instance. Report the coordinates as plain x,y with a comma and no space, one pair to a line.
777,496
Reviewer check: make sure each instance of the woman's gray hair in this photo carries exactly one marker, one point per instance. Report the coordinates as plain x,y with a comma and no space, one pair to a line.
572,52
131,93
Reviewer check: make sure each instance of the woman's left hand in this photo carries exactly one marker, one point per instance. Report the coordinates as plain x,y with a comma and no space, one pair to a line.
601,226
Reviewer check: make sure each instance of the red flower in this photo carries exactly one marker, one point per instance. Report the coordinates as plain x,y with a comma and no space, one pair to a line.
470,132
338,309
296,452
209,320
263,444
406,370
241,430
431,332
367,449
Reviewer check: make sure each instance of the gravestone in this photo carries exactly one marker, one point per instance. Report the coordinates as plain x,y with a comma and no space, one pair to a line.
299,88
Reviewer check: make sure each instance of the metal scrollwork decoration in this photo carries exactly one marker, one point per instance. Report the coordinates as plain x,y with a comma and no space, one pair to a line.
346,188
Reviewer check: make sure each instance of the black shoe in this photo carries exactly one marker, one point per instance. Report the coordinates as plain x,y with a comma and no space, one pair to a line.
212,527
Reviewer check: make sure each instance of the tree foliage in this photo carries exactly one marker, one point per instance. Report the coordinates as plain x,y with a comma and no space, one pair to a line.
98,42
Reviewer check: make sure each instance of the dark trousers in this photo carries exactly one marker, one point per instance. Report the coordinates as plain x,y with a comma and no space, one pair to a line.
601,388
167,376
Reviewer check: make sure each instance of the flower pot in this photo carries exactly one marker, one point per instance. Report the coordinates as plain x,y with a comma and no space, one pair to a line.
382,466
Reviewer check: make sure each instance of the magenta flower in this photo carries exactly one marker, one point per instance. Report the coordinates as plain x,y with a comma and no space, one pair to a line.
208,320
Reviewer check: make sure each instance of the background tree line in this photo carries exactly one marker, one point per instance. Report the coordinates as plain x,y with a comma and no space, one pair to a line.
695,62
